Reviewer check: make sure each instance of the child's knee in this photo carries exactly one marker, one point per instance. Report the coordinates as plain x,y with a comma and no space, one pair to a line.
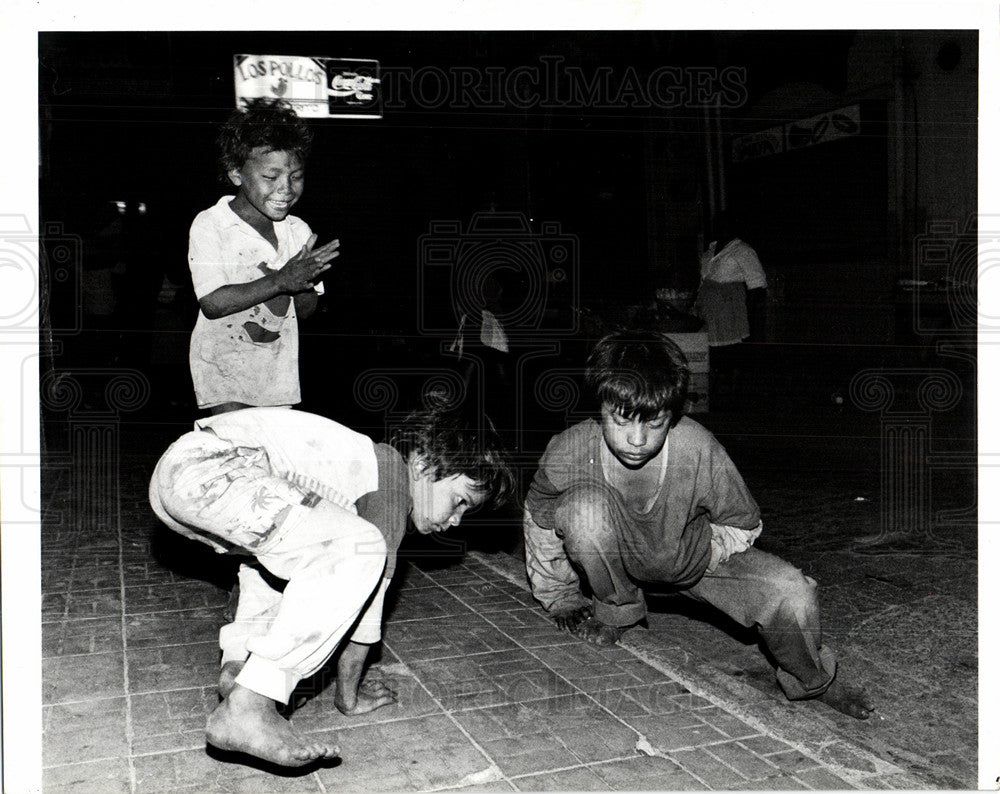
585,517
583,505
794,589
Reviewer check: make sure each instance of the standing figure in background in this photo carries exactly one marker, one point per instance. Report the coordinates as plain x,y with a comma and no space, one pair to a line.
254,267
731,294
484,354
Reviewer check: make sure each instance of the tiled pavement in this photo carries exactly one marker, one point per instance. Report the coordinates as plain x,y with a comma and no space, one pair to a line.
491,696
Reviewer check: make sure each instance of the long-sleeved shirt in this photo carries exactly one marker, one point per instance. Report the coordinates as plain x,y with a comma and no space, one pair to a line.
701,487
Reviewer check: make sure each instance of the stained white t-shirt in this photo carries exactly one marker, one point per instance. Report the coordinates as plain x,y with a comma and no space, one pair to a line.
227,365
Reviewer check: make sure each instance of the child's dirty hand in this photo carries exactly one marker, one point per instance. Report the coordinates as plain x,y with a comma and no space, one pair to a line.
371,695
571,619
301,272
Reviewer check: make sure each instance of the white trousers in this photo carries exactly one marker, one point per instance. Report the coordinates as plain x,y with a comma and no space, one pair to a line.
331,558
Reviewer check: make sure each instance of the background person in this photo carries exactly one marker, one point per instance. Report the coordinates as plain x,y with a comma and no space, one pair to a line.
730,300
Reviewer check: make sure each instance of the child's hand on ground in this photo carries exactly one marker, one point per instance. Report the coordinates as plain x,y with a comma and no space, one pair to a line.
571,619
371,695
301,271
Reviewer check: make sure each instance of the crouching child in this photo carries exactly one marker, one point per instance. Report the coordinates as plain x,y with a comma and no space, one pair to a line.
318,511
643,495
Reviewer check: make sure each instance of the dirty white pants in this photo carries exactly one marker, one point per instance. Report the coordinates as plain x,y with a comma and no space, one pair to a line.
331,558
258,606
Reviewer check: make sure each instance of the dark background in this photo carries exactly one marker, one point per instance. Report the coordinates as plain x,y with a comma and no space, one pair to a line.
131,117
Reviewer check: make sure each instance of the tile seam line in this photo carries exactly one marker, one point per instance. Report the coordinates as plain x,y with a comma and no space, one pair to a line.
582,765
455,722
143,693
640,736
182,610
129,728
852,776
606,762
75,590
372,722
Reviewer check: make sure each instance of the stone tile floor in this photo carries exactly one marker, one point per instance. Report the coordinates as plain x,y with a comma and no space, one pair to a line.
491,696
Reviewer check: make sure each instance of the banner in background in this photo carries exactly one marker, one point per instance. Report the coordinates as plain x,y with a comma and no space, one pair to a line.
829,126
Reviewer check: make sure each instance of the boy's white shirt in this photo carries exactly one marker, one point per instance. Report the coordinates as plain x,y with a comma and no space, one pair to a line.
313,452
213,266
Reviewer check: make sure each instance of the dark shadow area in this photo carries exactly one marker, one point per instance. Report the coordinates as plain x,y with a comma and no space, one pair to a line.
193,559
674,604
288,772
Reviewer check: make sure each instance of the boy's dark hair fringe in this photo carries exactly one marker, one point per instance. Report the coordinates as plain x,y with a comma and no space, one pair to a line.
271,123
454,440
639,373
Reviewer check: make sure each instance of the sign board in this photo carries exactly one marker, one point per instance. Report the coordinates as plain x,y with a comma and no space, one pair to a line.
759,144
315,87
824,127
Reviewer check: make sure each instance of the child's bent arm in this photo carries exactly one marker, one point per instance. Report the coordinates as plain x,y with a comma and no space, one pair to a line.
233,298
297,276
554,583
353,697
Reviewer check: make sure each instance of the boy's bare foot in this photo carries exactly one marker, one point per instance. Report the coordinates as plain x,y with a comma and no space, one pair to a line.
247,722
371,695
227,678
593,631
851,700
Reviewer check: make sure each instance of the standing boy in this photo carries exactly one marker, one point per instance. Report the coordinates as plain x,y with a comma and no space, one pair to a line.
320,511
253,265
645,494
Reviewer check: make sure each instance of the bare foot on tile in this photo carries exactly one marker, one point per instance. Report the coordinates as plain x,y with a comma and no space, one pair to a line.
247,722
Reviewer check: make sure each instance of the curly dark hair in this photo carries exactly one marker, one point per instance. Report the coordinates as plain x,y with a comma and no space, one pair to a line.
271,123
454,440
639,373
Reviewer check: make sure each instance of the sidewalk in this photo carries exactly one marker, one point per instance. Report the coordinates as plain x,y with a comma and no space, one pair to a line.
491,696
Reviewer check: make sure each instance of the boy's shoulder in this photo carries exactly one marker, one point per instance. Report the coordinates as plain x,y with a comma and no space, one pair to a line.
689,437
574,438
219,215
690,429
